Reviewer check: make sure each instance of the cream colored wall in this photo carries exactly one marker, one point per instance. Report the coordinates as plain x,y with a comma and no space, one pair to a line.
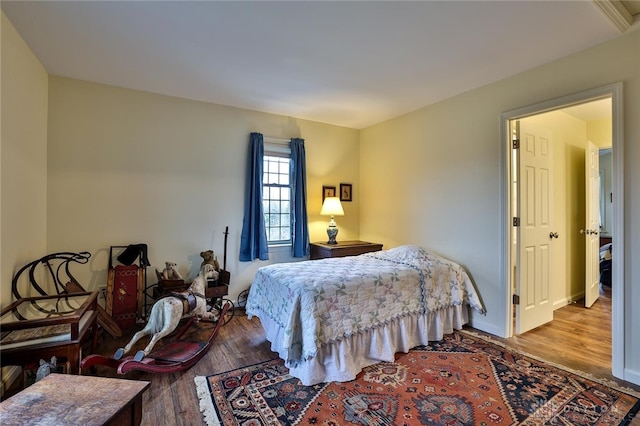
599,132
569,141
439,171
128,167
23,155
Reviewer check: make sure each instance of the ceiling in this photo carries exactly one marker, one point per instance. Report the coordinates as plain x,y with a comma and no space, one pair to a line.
590,111
351,64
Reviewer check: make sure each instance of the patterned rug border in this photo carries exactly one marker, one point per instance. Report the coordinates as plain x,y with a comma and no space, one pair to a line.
605,382
205,401
210,416
204,394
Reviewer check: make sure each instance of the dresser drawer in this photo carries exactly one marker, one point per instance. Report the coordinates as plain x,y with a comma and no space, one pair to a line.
342,249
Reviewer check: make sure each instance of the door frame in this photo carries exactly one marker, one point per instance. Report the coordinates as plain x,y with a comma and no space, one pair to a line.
615,92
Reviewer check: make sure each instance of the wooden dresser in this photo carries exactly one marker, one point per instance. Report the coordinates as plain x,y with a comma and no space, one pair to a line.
342,249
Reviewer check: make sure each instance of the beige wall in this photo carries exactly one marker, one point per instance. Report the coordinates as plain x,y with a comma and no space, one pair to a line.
599,132
133,167
439,169
23,157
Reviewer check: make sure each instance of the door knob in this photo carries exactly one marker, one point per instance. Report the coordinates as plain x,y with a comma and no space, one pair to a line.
553,235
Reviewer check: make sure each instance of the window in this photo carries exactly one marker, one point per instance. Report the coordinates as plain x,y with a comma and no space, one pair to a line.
277,188
276,195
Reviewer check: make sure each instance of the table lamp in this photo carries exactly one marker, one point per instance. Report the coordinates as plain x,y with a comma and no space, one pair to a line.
332,207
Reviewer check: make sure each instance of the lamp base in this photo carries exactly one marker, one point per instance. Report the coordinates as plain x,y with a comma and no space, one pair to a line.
332,231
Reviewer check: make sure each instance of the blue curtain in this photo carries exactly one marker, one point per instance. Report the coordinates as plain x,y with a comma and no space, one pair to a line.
253,241
300,224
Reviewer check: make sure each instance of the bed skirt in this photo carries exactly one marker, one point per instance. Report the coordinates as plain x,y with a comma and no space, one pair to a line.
342,360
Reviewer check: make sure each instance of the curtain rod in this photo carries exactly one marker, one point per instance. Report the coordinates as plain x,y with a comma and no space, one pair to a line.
277,141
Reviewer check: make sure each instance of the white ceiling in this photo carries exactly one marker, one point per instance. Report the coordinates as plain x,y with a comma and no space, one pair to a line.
351,64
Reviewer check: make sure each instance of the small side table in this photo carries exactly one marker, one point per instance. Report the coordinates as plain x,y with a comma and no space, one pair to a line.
342,249
65,399
35,328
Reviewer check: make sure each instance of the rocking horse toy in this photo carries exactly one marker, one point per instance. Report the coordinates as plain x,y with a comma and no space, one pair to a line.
164,318
167,312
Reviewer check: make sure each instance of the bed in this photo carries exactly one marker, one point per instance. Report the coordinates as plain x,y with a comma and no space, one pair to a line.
329,318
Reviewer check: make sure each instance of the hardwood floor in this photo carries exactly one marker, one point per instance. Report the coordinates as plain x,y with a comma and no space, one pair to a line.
171,399
578,338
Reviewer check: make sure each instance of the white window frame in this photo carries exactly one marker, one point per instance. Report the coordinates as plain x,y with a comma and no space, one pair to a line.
277,148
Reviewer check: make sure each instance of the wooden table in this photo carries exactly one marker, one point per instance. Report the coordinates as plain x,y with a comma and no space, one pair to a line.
67,399
342,249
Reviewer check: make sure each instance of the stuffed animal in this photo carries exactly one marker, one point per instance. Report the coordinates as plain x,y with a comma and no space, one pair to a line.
45,368
210,258
209,273
171,272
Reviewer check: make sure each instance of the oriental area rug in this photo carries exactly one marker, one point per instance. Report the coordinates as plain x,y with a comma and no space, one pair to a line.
461,380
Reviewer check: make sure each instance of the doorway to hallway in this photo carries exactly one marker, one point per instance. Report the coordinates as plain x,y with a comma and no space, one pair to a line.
515,283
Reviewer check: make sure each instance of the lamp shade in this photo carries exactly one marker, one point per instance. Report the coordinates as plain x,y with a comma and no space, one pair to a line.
332,207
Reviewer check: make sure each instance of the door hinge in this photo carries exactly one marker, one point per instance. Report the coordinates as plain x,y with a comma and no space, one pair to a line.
516,144
516,299
516,221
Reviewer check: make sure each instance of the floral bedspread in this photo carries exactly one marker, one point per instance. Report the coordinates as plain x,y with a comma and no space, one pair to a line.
321,301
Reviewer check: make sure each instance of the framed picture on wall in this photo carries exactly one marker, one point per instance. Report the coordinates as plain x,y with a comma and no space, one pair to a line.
328,191
345,192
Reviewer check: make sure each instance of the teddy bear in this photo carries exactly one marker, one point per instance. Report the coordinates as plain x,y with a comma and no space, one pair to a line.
171,272
209,272
209,257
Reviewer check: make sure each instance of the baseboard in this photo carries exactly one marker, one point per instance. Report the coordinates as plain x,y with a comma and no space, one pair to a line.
561,303
631,376
557,304
485,326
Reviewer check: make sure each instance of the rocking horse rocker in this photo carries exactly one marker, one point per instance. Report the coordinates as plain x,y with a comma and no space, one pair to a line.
164,318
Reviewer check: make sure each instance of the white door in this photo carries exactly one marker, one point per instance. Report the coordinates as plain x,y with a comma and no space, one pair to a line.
592,227
535,231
